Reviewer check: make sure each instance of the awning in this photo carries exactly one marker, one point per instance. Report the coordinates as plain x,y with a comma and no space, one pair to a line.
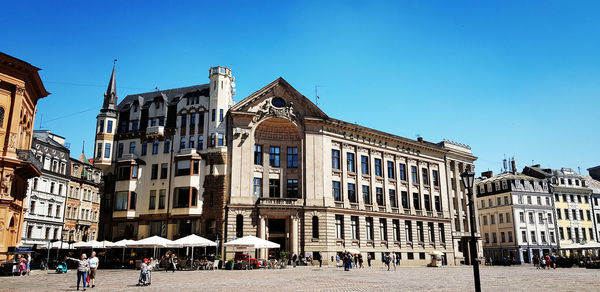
154,241
192,240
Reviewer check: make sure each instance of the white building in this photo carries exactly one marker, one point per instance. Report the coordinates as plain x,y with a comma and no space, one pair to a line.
46,195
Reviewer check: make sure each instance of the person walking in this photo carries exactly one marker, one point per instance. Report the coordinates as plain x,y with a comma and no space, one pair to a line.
294,259
93,262
28,263
536,262
387,260
360,261
172,262
320,259
394,260
369,260
22,265
82,268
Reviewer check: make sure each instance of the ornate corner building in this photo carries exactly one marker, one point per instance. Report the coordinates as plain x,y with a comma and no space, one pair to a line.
20,90
163,155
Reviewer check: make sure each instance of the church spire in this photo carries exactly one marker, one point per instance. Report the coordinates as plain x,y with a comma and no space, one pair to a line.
110,97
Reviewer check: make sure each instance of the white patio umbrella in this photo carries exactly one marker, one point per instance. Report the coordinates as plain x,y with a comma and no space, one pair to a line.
152,242
93,244
121,244
251,242
192,241
353,251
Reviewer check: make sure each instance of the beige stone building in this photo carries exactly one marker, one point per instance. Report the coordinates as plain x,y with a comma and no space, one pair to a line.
313,183
20,90
82,211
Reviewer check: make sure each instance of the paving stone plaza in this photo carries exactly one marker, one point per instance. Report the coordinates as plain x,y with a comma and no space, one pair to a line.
449,278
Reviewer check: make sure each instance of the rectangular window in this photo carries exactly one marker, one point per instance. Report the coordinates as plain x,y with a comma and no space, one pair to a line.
152,204
494,237
200,142
161,199
274,156
393,200
123,173
435,178
144,148
132,147
492,219
405,201
524,236
442,232
390,169
369,228
339,226
154,171
155,147
335,159
379,196
396,229
258,156
414,174
420,235
191,142
182,197
220,115
121,201
292,188
181,144
354,227
213,115
533,237
183,167
192,119
352,193
164,170
416,201
109,126
500,218
167,146
364,164
335,186
183,120
408,230
431,232
107,150
377,167
292,157
274,188
257,190
402,171
427,202
383,229
366,195
502,237
99,150
221,141
425,176
350,162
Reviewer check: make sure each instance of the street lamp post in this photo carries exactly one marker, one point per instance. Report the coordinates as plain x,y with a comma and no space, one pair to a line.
468,178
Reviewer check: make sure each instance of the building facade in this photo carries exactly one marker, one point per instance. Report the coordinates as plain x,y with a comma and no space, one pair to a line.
46,194
572,203
517,217
594,185
20,90
82,211
316,184
163,155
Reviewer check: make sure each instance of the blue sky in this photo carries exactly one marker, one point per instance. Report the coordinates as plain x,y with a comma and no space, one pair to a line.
508,78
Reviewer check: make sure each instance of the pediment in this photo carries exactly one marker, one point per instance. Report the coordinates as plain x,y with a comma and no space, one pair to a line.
278,99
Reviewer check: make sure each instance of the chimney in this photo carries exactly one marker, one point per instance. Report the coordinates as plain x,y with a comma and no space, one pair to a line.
513,165
420,139
487,174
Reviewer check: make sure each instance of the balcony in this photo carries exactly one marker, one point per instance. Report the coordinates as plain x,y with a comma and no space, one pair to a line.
127,157
279,202
31,167
155,131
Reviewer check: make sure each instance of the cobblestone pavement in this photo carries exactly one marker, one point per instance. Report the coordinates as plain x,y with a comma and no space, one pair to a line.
519,278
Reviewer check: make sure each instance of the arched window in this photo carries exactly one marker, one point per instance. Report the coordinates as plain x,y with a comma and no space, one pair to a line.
315,227
1,116
239,226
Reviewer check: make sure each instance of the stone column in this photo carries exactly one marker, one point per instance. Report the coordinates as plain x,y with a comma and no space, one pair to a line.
262,234
294,234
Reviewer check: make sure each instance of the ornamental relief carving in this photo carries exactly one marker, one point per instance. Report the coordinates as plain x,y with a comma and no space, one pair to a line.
267,110
347,146
5,184
20,90
12,141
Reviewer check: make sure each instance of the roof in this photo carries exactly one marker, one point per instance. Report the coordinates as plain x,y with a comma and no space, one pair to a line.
44,137
27,72
592,184
505,176
171,95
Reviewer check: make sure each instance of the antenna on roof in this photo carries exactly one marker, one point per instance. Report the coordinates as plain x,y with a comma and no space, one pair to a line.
156,88
579,169
316,95
83,146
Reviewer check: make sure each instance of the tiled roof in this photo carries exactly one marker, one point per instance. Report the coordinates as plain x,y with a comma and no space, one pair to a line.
171,95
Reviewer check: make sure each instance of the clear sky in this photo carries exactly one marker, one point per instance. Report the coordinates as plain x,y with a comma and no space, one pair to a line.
519,78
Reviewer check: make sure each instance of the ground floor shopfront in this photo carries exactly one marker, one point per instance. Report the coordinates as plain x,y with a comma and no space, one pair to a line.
517,254
330,231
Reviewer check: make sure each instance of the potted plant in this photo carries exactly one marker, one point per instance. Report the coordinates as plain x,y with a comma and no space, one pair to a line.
229,264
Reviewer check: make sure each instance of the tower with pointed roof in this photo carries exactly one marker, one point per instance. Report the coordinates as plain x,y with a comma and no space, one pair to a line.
106,125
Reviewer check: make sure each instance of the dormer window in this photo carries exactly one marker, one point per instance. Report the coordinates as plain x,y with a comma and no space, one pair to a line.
157,104
134,108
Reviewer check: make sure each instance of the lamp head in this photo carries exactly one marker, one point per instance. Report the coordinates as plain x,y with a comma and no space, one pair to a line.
468,177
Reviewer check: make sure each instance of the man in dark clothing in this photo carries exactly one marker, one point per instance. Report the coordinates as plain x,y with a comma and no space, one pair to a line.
320,259
294,259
